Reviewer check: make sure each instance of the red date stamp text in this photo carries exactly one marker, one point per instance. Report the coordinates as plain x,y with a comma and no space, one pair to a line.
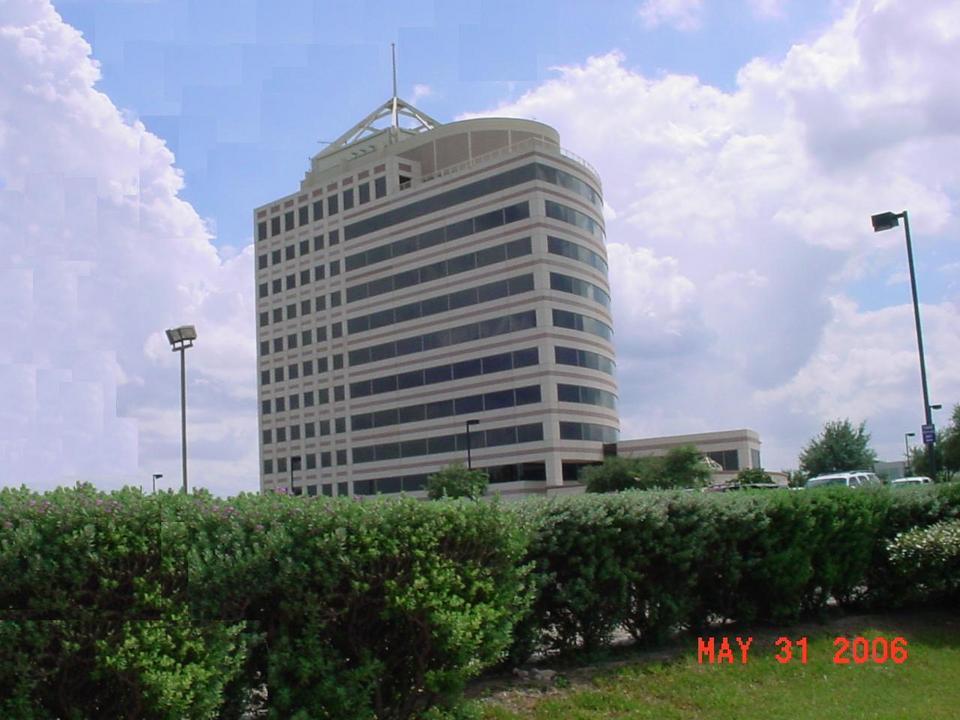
857,650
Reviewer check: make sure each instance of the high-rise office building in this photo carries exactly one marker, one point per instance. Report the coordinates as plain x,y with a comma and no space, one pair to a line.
434,291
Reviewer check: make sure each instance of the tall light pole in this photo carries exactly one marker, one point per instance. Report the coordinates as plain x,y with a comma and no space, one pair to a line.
469,461
885,221
180,339
156,476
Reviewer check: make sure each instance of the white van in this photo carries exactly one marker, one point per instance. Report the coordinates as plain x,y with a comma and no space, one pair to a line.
860,478
915,480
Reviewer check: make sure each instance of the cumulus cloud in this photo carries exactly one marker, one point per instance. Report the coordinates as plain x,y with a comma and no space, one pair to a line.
99,256
742,226
680,14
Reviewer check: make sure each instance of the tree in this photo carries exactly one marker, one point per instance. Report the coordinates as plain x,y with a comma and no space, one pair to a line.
680,467
796,478
615,474
455,481
684,467
838,448
753,476
951,442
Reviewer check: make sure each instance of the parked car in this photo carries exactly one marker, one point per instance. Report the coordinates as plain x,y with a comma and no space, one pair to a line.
913,480
846,479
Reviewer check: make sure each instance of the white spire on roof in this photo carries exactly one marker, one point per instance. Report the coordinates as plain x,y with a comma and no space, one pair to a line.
394,108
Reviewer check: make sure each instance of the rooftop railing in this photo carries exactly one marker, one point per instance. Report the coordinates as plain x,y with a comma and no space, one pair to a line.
528,145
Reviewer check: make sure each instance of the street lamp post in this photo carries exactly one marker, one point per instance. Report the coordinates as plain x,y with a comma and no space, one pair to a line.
469,460
293,459
180,339
156,476
906,447
885,221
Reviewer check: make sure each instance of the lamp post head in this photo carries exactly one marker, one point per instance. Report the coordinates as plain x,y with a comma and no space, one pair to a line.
936,407
183,334
472,422
885,221
157,476
910,434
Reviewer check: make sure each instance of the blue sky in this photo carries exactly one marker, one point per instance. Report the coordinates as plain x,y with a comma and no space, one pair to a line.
743,145
243,91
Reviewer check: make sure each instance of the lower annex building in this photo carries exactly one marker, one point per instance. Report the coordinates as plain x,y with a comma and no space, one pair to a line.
427,288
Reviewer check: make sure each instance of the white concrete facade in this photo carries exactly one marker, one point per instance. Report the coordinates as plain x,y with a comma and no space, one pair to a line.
422,278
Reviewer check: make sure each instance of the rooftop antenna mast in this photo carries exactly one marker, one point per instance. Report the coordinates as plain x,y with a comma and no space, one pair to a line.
394,112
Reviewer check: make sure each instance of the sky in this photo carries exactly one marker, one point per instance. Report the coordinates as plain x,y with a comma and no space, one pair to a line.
743,146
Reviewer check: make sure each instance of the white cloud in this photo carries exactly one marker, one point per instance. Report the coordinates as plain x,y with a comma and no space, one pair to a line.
680,14
99,256
743,222
420,91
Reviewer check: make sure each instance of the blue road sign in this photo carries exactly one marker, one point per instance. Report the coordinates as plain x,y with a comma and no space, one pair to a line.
929,433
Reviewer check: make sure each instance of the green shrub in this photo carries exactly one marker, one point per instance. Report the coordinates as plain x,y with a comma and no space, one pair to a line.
926,562
176,606
456,481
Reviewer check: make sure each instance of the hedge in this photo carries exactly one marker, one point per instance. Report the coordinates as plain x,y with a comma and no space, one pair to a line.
171,606
652,562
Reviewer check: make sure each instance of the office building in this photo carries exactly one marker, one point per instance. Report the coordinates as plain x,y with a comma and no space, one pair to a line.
425,276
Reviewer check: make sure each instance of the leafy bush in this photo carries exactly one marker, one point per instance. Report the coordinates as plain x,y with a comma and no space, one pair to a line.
456,481
655,561
176,606
926,562
752,476
680,467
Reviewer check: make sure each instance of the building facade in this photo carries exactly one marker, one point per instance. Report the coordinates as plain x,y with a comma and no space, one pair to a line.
730,450
432,291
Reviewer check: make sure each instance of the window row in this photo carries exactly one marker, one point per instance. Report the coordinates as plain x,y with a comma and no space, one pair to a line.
524,472
583,323
472,191
583,358
294,370
326,489
576,286
310,430
441,303
586,395
496,400
279,285
559,246
728,459
311,398
441,201
445,338
438,236
567,181
290,252
279,404
487,365
493,437
568,215
306,307
347,197
304,339
296,464
441,269
588,431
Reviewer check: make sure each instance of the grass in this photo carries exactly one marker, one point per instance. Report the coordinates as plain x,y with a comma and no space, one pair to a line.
924,686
